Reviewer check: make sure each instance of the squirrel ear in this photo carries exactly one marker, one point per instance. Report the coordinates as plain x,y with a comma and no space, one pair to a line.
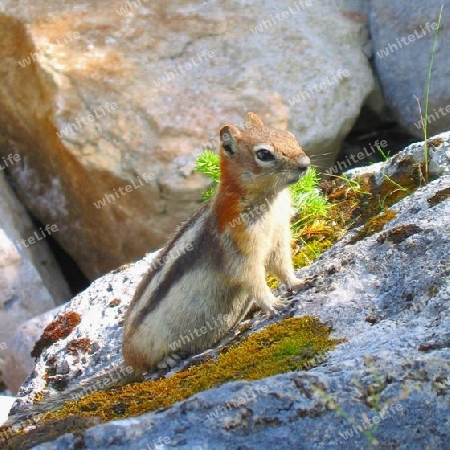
253,120
228,137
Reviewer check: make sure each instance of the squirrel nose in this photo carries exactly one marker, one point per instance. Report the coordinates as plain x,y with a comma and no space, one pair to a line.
304,162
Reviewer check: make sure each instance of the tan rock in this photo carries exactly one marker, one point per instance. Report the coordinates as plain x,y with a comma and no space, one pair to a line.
124,89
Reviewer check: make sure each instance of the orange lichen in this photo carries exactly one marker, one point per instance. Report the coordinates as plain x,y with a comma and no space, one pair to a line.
115,302
60,328
79,345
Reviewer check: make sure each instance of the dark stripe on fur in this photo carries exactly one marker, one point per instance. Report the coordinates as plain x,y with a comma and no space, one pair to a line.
206,238
147,278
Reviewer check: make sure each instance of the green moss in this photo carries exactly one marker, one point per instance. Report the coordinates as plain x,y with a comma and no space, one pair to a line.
361,202
272,282
310,251
311,206
277,349
353,201
396,188
374,225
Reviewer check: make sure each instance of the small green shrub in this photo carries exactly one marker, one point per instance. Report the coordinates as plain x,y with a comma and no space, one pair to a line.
208,164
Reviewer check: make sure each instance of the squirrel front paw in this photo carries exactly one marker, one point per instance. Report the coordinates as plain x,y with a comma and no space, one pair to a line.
295,284
275,306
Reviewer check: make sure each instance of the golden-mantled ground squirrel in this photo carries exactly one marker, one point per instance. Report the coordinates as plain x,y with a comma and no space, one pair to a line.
204,280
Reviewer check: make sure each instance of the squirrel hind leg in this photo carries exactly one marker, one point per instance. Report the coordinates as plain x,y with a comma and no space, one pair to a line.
169,361
134,359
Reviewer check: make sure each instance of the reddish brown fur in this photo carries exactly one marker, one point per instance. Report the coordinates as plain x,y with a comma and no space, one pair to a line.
228,205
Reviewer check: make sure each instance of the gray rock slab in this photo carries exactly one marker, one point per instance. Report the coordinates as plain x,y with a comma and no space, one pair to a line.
387,294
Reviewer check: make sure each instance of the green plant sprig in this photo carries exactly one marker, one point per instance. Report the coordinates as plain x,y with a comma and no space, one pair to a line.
208,164
424,117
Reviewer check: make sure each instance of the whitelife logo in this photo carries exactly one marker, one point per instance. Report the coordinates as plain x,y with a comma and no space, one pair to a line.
9,160
173,71
38,236
98,112
283,15
404,41
124,190
66,39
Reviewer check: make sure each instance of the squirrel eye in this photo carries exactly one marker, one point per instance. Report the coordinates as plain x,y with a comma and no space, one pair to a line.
265,155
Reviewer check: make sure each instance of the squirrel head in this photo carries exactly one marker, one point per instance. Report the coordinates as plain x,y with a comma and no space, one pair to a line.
259,159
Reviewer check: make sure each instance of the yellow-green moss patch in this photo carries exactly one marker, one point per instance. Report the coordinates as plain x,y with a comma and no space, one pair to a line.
277,349
271,281
310,251
293,344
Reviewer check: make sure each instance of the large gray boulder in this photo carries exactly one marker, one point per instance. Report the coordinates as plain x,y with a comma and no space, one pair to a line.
111,103
402,37
296,411
387,293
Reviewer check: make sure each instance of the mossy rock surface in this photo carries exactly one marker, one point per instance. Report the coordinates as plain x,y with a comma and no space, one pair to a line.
386,293
290,345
